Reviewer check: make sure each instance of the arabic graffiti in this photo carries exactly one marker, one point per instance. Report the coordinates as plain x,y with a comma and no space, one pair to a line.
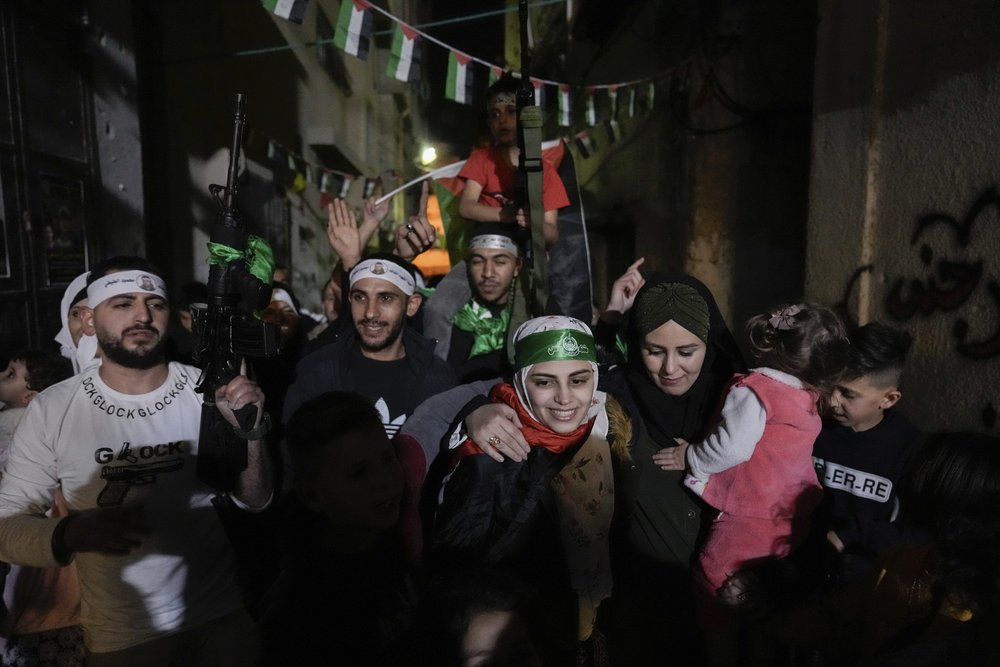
952,283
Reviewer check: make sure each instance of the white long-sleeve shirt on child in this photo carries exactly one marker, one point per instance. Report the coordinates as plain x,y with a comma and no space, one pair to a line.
735,439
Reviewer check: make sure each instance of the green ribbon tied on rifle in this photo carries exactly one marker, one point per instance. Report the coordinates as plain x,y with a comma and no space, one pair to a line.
489,332
258,256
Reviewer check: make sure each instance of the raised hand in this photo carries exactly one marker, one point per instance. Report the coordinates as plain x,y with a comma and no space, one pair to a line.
418,234
343,233
624,289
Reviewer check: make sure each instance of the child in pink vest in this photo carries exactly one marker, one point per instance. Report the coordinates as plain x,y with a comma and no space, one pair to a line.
756,467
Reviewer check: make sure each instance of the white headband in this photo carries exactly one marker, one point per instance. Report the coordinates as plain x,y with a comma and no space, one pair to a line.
124,282
278,294
384,270
494,242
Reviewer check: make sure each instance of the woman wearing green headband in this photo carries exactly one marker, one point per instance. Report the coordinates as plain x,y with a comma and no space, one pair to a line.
508,513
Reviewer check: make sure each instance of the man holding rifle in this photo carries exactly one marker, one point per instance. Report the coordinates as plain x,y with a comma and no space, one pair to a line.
157,574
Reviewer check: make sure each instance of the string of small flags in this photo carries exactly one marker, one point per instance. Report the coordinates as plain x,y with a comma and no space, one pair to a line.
331,183
353,35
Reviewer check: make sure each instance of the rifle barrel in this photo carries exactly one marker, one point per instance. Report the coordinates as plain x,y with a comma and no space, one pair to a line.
234,151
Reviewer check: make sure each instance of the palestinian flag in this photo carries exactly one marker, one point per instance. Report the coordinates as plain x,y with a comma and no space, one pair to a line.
495,74
459,85
354,28
404,60
631,101
650,95
613,100
345,187
564,115
370,184
539,86
585,144
591,111
293,10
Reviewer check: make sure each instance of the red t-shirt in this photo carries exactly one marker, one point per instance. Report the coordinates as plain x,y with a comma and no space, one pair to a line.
487,167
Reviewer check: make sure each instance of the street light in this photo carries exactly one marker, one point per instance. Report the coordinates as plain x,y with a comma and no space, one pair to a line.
428,155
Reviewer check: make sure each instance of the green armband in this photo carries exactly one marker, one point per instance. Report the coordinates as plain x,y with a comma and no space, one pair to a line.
258,432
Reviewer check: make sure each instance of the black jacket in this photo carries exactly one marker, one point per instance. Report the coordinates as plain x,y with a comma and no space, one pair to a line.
330,369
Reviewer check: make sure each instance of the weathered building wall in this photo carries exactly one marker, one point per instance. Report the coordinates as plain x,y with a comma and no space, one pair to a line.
323,105
904,213
714,180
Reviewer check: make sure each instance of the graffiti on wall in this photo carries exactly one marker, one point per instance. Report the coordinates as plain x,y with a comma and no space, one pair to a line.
951,284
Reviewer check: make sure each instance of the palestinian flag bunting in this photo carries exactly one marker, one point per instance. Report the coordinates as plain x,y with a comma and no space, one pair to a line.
404,60
458,87
613,100
293,10
354,28
539,87
564,105
495,74
345,186
591,111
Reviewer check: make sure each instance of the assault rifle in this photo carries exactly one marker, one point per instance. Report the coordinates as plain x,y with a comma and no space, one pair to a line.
239,282
529,137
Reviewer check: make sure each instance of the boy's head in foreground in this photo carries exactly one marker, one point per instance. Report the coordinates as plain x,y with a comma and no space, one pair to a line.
870,384
344,466
28,373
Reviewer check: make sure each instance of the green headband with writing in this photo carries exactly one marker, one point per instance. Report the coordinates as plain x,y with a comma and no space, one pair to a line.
555,345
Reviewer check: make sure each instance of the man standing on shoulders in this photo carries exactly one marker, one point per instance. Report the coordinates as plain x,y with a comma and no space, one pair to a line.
379,356
157,574
472,336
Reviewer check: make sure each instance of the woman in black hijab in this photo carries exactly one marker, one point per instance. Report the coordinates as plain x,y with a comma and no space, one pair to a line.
680,358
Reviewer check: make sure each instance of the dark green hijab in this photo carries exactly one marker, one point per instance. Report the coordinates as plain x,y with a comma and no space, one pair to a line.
685,300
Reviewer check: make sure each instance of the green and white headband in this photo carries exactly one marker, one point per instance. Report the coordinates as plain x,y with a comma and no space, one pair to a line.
553,338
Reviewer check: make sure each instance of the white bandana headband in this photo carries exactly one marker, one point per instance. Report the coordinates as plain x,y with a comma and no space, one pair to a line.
124,282
83,353
493,242
384,270
278,294
501,99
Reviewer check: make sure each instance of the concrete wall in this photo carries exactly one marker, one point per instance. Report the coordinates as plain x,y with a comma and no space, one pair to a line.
904,212
714,181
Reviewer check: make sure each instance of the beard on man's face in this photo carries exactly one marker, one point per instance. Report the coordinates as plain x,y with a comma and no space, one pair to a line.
141,358
373,342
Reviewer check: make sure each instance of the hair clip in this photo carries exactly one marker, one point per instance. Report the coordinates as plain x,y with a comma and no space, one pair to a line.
783,319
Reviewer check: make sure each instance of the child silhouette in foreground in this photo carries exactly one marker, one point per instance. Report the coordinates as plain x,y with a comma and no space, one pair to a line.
344,594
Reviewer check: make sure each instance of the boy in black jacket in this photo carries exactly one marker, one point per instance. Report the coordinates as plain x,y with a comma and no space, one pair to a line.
863,449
